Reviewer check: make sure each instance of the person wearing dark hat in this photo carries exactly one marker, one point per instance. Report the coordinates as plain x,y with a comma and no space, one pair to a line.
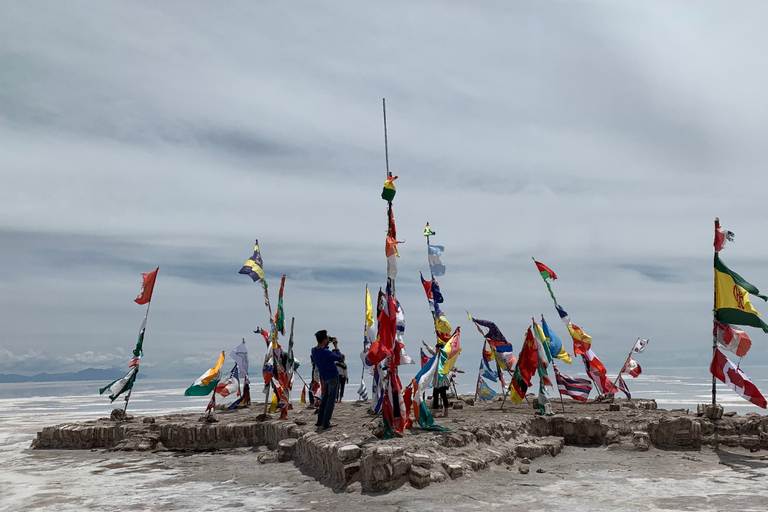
325,360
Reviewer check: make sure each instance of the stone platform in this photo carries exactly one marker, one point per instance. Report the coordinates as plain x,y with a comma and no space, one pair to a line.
350,455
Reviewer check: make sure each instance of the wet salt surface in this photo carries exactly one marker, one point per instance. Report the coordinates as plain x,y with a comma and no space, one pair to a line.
577,479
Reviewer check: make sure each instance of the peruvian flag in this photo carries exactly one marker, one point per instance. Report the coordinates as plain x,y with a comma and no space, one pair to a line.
733,339
721,235
734,378
147,285
632,368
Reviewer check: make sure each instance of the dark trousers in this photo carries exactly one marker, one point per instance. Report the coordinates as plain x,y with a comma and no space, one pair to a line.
342,382
327,402
436,394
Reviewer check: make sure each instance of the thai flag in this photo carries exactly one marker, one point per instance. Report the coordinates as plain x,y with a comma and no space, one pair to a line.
578,389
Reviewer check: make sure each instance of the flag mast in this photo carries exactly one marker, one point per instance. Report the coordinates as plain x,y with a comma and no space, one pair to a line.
141,334
714,323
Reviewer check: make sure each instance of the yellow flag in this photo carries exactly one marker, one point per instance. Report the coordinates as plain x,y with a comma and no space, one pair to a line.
368,308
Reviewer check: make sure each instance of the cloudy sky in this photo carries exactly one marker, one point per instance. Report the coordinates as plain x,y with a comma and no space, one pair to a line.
601,138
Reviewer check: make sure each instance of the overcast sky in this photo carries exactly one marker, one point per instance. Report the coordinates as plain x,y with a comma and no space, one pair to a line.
601,138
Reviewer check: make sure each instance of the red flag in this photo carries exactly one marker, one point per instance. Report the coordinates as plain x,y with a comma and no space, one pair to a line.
735,379
147,286
545,271
721,235
529,358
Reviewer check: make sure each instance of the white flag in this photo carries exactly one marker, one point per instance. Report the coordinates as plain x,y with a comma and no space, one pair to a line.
640,345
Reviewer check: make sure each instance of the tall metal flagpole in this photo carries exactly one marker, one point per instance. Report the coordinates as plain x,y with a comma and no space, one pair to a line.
714,325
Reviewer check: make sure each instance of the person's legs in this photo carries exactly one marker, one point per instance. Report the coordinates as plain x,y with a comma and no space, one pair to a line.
444,395
341,389
330,390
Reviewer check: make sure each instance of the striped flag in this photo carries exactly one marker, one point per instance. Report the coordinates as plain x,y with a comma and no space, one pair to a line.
362,391
578,389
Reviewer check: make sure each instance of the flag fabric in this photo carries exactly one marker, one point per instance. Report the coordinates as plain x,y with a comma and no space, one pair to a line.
239,354
362,391
377,389
597,372
528,361
303,395
732,298
545,271
229,385
556,348
622,386
264,334
582,342
542,347
244,400
450,353
254,267
517,387
388,194
435,298
732,339
208,381
485,367
147,286
425,378
424,357
436,266
632,368
639,346
120,386
725,371
484,392
502,350
721,235
426,420
577,389
280,315
428,231
390,246
368,308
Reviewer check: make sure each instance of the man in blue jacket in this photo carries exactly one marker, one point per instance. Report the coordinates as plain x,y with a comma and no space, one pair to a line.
325,359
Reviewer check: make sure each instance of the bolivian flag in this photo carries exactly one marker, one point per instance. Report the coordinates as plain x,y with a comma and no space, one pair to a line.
208,381
732,298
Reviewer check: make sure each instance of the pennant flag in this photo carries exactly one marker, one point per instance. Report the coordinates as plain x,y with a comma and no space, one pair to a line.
732,298
119,386
721,235
436,266
484,392
254,267
577,389
240,355
303,395
632,368
229,385
449,353
362,391
502,350
555,344
733,339
729,374
388,194
208,381
147,286
639,346
428,231
597,372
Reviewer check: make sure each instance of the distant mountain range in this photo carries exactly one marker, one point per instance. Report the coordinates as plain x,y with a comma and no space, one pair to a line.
87,374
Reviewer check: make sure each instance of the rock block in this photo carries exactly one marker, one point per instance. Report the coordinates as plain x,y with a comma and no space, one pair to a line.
455,471
349,452
419,477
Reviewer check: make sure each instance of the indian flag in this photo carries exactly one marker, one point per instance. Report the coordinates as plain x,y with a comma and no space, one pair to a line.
207,382
732,298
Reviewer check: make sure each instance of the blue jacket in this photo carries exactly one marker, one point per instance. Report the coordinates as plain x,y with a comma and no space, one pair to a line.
325,360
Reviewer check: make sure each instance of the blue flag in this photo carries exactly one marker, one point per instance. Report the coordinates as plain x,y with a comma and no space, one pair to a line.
436,266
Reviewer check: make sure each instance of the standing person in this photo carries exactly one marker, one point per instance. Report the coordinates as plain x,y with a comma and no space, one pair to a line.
343,376
440,384
325,360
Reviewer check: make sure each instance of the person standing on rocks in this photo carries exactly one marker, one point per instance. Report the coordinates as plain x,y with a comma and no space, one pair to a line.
325,360
343,377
